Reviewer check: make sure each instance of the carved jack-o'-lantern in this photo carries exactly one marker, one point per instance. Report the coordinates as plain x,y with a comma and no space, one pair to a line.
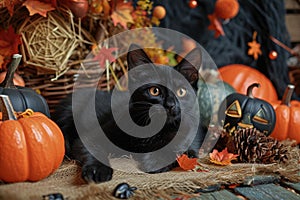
245,111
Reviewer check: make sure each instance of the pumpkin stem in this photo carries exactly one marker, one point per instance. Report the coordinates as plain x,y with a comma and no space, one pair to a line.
286,99
7,109
8,81
250,89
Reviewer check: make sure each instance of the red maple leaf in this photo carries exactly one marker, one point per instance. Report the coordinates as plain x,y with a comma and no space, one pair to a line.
105,54
9,42
39,7
215,25
222,158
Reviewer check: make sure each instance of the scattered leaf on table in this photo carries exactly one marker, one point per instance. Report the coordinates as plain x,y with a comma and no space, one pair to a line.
222,158
122,13
104,54
187,163
38,7
215,25
9,42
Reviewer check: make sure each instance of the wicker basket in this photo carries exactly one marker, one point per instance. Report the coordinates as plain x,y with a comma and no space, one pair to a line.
54,50
55,90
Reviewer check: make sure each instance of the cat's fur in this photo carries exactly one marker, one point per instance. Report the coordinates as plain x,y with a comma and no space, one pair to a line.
140,103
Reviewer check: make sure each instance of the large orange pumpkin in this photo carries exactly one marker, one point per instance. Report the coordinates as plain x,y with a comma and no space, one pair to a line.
287,117
240,77
31,147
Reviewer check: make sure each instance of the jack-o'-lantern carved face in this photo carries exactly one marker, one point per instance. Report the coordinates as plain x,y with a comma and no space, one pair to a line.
242,111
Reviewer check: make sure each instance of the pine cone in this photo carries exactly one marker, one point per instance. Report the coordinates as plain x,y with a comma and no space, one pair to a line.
254,147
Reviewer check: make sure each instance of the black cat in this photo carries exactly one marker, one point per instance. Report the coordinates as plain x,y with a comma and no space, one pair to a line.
164,99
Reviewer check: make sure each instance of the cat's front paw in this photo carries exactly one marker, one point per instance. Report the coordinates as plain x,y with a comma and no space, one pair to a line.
96,173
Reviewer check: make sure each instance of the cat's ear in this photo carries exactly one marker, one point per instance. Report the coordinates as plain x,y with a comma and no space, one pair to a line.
136,56
190,65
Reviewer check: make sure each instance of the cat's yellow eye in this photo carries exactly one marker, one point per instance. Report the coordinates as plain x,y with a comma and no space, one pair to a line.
181,92
154,91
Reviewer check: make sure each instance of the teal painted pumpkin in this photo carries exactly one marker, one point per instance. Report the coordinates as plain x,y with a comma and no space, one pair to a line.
210,96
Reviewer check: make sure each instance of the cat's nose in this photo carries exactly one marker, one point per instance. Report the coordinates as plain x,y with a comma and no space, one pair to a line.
172,109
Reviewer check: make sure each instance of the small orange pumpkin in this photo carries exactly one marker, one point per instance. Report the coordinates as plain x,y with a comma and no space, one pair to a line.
17,79
240,77
32,145
287,116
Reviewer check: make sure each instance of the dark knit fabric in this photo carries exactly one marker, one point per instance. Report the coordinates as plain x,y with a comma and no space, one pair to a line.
267,18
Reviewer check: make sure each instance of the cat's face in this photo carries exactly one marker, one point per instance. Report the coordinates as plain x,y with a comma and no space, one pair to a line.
165,90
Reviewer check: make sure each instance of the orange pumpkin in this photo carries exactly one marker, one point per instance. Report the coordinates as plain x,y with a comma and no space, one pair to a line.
17,79
287,117
32,145
240,77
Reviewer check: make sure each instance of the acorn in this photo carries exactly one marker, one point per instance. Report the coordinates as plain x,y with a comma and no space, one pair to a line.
79,8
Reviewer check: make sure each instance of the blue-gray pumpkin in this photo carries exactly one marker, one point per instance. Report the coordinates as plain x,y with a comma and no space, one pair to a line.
210,96
245,111
22,98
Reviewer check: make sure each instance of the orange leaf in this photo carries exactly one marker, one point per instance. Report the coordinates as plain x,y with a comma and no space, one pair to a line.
254,49
105,54
215,25
187,163
9,42
99,6
122,13
222,158
38,7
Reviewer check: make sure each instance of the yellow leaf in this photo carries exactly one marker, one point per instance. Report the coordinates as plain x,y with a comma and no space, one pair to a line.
122,14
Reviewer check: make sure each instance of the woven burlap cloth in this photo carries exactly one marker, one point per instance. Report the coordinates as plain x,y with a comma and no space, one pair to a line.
67,180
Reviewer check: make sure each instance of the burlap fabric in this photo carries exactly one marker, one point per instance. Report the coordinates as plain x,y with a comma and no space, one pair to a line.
67,180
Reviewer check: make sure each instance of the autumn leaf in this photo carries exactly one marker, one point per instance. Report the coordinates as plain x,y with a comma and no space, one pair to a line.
222,158
122,13
187,163
215,25
254,49
38,7
1,62
10,5
9,42
105,54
